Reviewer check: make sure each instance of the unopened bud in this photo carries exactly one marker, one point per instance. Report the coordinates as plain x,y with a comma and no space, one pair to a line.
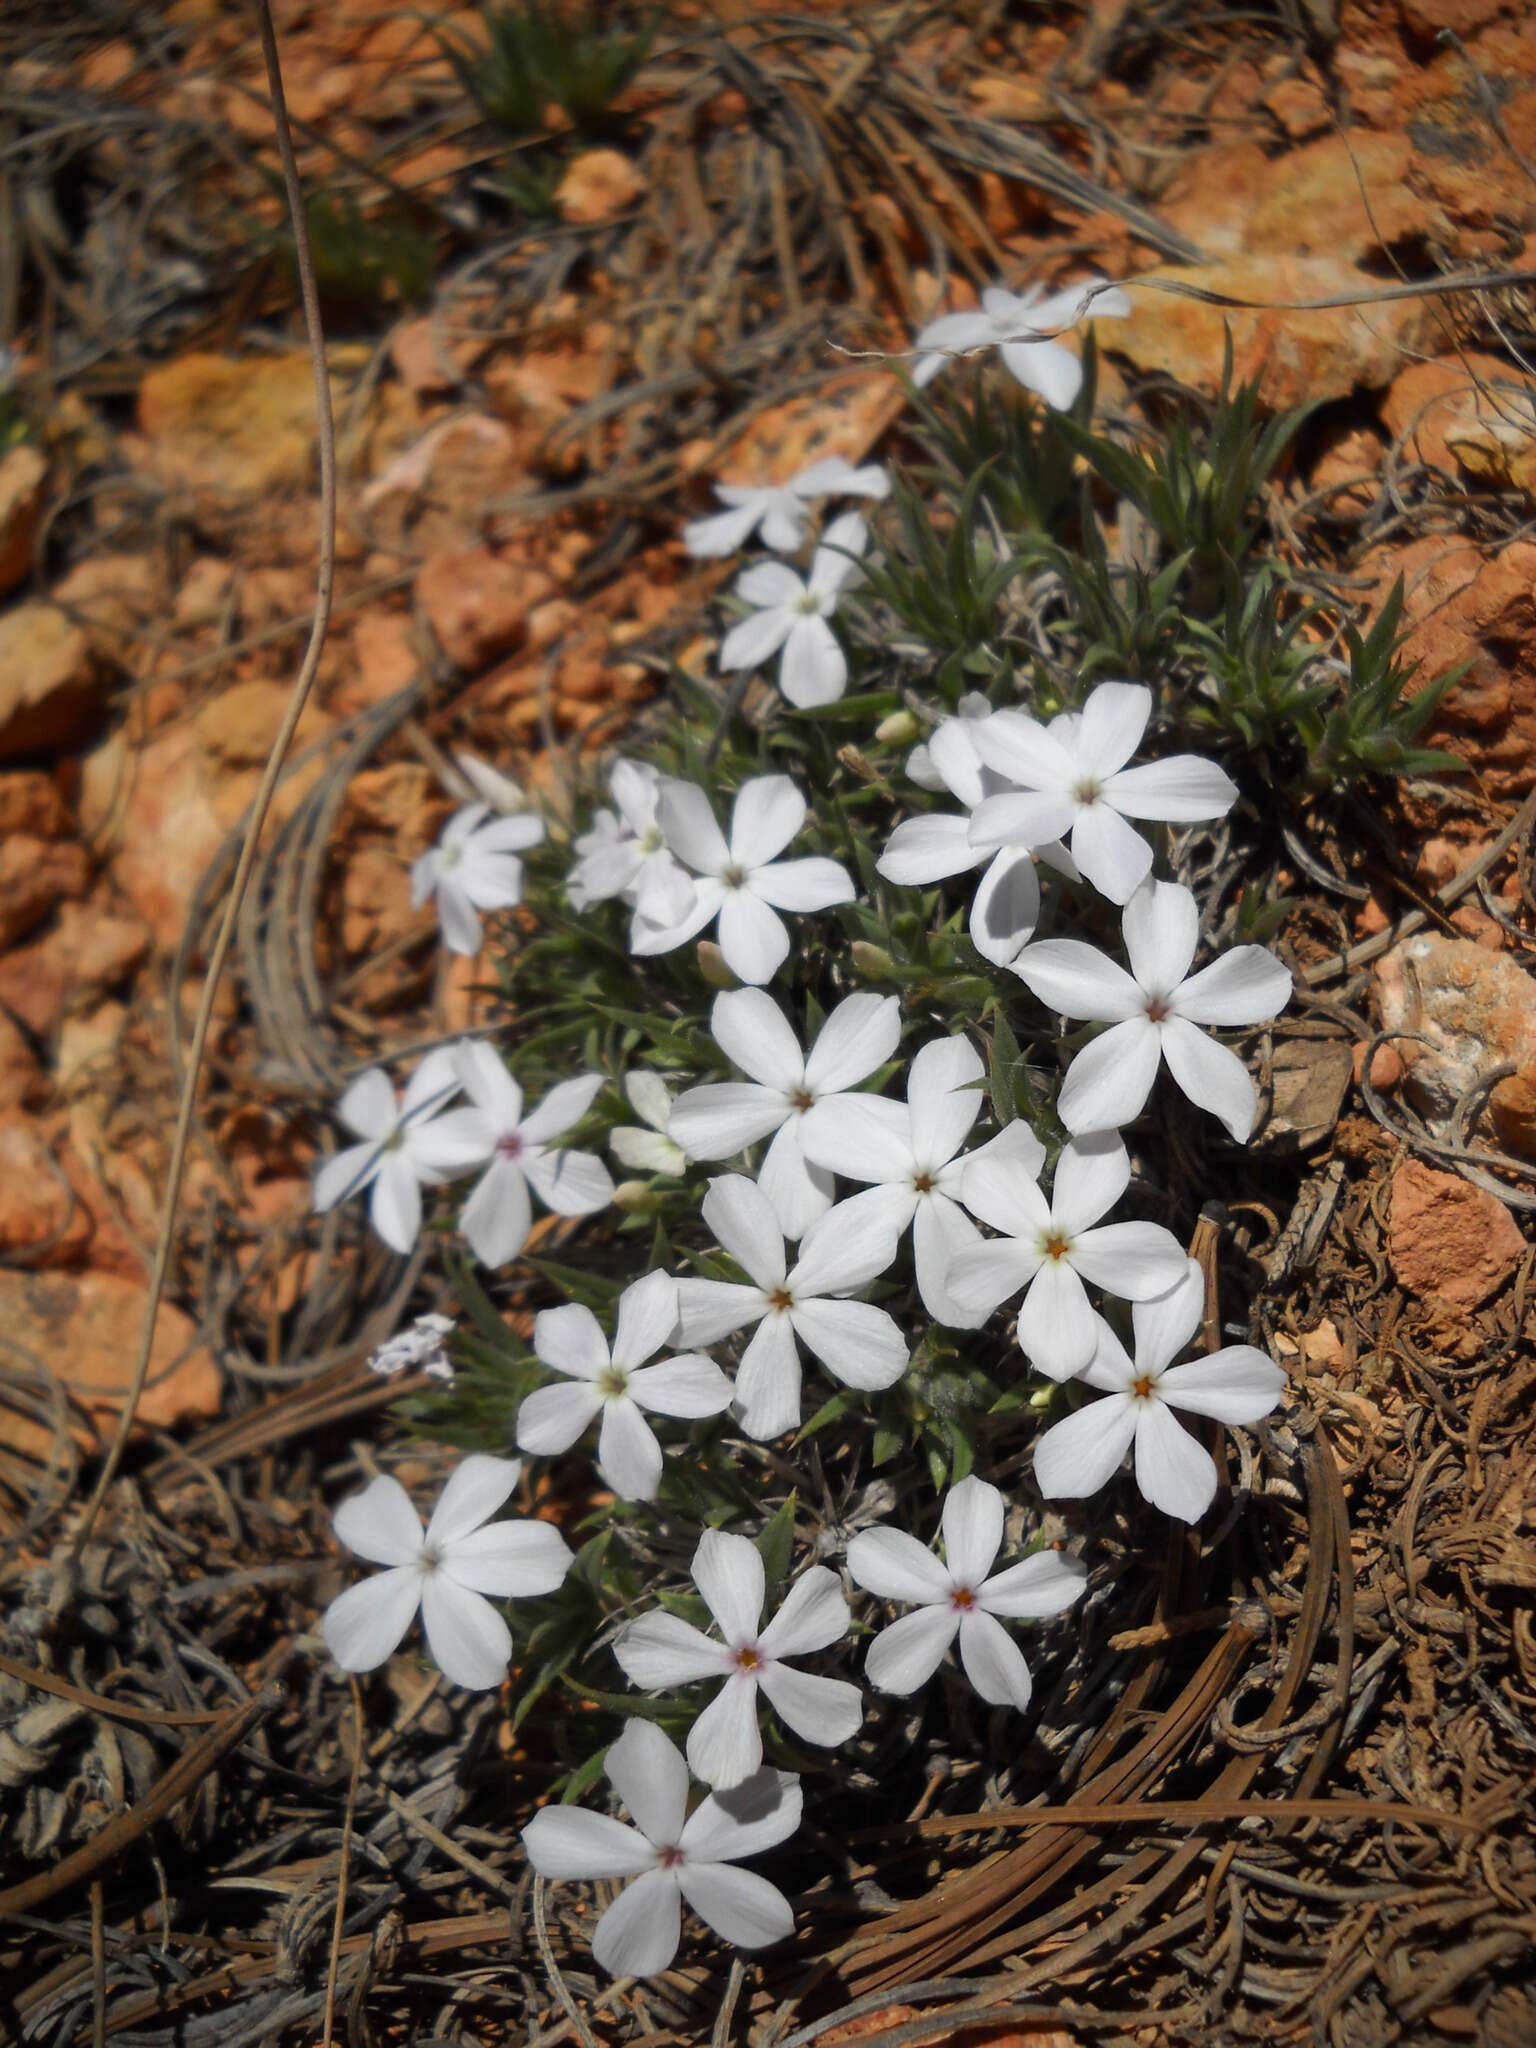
637,1197
899,730
873,962
712,966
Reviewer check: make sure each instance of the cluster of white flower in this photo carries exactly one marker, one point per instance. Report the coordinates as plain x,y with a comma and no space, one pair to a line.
826,1161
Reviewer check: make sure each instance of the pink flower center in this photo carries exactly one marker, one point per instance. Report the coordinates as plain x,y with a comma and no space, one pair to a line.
1157,1010
510,1147
747,1659
963,1598
672,1859
1142,1387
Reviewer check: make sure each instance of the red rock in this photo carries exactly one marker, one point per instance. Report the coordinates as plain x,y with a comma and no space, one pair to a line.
22,1080
1477,1011
85,1328
91,949
35,874
50,685
385,658
1447,1240
111,598
477,604
30,803
23,472
1463,608
1296,354
41,1223
150,810
1450,412
1424,19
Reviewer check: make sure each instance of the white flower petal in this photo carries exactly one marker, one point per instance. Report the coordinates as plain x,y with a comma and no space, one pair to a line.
941,1231
1161,924
1056,1326
805,885
1108,1082
510,1560
814,1616
434,1082
660,1650
755,639
368,1108
757,1038
1238,1386
647,939
647,1152
768,1381
647,1317
551,1418
1246,986
979,1279
565,1104
993,1661
498,1216
906,1655
379,1523
836,561
690,827
743,1908
752,937
568,1842
570,1183
1022,818
728,1571
1114,718
394,1205
798,1192
1006,907
767,814
482,1074
1174,1472
768,584
721,1118
1037,1586
1165,1323
1092,1174
844,1250
1111,854
363,1626
757,1814
743,1222
1211,1075
813,669
1133,1260
929,849
862,1137
478,1485
724,1746
570,1338
628,1455
943,1098
1028,753
1047,368
1015,1146
826,1711
688,1386
722,533
708,1310
639,1933
997,1190
861,1034
1079,981
973,1530
895,1566
857,1343
347,1173
1080,1453
442,1147
470,1642
1182,789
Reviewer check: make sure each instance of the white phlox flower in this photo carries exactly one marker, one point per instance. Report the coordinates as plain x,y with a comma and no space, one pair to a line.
790,612
487,785
661,1650
722,1118
743,883
473,867
936,846
652,1150
857,1343
446,1571
624,853
1052,1247
1023,327
778,513
617,1385
910,1155
1155,1013
418,1349
518,1152
957,1598
407,1144
1072,777
1237,1385
670,1854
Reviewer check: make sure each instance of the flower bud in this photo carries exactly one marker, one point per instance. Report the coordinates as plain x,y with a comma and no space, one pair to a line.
874,962
637,1197
713,968
899,730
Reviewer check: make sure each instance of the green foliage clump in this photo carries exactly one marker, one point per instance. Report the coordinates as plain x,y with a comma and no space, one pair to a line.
537,55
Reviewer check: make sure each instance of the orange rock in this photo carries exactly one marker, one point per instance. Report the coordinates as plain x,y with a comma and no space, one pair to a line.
386,660
1463,608
108,66
1464,415
233,426
1346,470
23,472
597,185
1477,1011
151,811
41,1223
89,950
50,686
204,595
82,1330
1297,355
1447,1240
1386,1066
478,604
376,901
35,874
22,1080
30,802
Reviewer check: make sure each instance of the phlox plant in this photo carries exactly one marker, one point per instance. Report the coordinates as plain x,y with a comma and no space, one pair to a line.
878,982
